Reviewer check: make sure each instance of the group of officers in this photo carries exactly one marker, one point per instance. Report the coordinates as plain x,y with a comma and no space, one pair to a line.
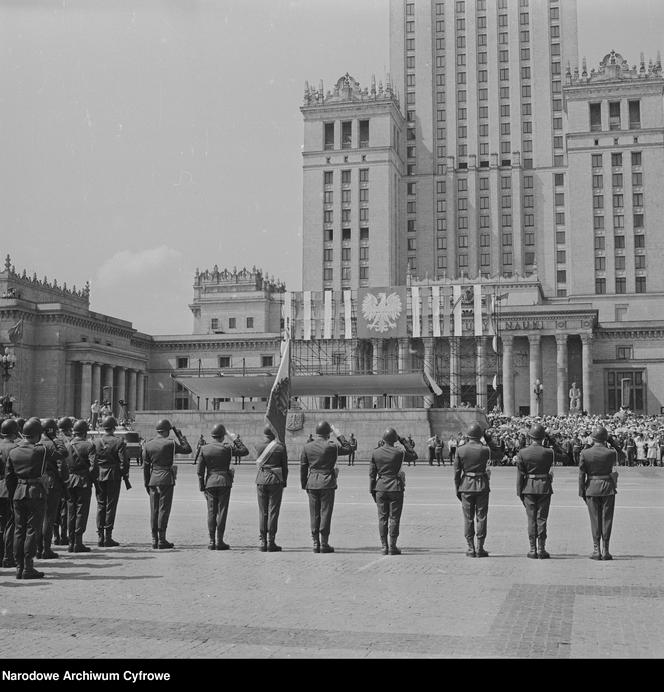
45,464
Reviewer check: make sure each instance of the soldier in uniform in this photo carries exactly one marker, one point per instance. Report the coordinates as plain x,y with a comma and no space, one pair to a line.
9,433
83,471
113,465
471,481
387,485
61,522
215,479
533,487
271,479
26,462
353,448
597,487
56,468
318,476
159,477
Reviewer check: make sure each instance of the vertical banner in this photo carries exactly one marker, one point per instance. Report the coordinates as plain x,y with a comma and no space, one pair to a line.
492,315
477,308
278,402
435,309
446,311
307,315
288,314
415,310
456,310
327,315
348,324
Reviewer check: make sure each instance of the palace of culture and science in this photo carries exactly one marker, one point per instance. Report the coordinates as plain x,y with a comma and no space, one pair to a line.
487,213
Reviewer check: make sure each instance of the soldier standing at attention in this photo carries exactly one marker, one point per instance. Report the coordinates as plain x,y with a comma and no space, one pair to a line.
271,479
387,486
159,477
26,462
318,476
56,454
352,440
597,488
113,462
9,432
60,527
83,471
471,481
533,487
215,479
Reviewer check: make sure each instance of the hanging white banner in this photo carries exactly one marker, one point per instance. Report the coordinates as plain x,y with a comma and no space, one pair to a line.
327,316
456,310
435,309
348,324
477,308
415,309
307,315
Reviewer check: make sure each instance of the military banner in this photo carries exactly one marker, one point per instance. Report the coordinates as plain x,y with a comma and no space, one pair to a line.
381,312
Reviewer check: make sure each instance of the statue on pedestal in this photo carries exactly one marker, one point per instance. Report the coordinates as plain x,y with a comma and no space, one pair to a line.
574,400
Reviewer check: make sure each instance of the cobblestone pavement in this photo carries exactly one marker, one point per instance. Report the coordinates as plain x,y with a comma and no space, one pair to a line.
431,601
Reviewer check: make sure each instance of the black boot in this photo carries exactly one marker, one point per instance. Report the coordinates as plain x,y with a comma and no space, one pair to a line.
9,562
30,572
316,541
220,542
163,543
78,544
262,543
100,538
393,550
212,545
108,539
383,542
155,540
56,535
325,547
541,549
470,550
19,569
480,548
606,555
71,546
64,536
596,553
47,554
532,553
272,547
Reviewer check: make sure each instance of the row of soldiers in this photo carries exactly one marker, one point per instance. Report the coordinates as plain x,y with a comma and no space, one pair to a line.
40,465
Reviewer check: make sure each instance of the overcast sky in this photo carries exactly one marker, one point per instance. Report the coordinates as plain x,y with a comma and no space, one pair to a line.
140,139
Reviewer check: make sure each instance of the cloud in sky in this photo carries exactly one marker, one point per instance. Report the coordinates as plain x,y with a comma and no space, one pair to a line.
129,266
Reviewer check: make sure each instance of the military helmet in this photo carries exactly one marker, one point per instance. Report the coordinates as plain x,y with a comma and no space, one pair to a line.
9,427
268,432
537,432
81,427
219,431
20,422
65,423
49,425
109,423
475,431
599,434
390,436
164,425
323,428
32,428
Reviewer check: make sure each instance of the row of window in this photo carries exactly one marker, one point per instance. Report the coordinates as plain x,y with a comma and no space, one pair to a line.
328,196
633,114
328,274
617,180
182,363
618,201
346,234
215,323
328,254
328,215
621,285
597,160
346,134
619,242
328,177
619,221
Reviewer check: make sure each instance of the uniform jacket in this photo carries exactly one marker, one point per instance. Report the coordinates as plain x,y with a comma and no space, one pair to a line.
56,456
83,469
534,460
318,460
385,465
5,446
471,457
158,456
268,473
25,464
595,466
214,462
111,457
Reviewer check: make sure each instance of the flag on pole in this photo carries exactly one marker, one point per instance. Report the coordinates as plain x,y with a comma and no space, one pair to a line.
15,333
279,399
431,383
494,383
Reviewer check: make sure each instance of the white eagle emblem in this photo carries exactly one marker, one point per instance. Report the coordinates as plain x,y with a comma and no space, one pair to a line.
383,312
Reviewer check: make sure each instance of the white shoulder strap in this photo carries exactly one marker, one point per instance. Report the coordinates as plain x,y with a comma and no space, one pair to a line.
266,453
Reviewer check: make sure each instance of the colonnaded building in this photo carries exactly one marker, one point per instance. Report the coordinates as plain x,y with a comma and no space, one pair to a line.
481,228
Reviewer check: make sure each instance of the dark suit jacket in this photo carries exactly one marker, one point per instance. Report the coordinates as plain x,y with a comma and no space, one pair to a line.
275,464
597,460
534,460
471,457
318,460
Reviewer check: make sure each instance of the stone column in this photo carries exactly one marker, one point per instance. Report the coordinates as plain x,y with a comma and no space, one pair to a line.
131,397
428,366
140,393
86,389
121,389
535,342
587,364
455,376
481,375
109,393
561,375
96,381
508,375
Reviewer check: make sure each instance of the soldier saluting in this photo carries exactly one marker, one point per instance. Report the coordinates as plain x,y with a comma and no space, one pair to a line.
159,476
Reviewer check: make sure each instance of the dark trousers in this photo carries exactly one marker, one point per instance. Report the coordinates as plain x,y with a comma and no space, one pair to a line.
432,455
52,507
217,509
78,510
351,459
269,504
390,505
28,519
108,494
452,453
600,510
62,515
321,504
6,528
475,508
537,511
161,500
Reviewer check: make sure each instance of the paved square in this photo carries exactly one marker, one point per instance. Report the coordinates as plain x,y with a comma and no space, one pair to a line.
431,601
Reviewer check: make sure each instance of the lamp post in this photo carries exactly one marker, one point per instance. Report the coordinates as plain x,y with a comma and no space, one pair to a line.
7,364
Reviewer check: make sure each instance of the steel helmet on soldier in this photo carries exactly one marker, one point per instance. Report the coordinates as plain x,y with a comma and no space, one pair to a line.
65,423
599,434
50,425
475,432
537,432
164,425
81,427
109,423
20,422
323,428
32,428
390,436
9,427
219,431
